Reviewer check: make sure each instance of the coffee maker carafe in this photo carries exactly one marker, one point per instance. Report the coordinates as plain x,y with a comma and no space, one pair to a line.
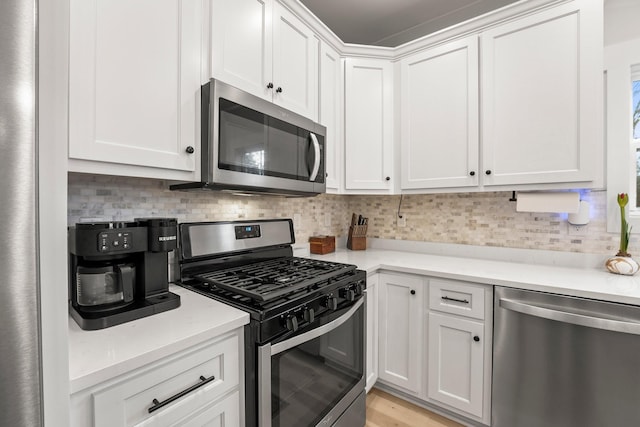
118,271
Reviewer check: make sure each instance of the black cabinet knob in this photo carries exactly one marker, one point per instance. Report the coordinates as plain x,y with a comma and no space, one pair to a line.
270,85
476,338
472,173
488,172
279,90
413,292
190,150
388,178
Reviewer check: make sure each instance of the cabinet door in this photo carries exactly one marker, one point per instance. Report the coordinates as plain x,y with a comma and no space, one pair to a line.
372,331
127,401
295,64
541,86
225,413
439,116
368,125
330,113
456,362
400,323
241,42
134,81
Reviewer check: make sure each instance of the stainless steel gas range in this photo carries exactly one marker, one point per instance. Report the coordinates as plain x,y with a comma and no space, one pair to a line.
305,343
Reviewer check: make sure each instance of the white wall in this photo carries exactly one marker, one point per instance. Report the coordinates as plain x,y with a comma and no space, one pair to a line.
621,20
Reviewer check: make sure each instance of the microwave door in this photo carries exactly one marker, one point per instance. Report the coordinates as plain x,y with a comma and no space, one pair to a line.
282,150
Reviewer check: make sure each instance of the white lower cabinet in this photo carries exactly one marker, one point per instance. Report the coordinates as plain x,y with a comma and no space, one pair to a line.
435,342
401,331
194,387
455,362
459,347
372,331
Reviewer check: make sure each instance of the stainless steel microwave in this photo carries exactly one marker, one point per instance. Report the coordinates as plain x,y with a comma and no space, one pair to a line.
250,145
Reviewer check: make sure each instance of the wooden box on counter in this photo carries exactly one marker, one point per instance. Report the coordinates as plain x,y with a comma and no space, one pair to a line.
321,245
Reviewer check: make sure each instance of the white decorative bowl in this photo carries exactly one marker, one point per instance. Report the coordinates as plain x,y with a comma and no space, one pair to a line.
622,265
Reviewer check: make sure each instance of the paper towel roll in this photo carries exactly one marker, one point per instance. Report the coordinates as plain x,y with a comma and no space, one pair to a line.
568,202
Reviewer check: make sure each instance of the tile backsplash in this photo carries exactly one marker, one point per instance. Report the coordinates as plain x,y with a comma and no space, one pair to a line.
484,219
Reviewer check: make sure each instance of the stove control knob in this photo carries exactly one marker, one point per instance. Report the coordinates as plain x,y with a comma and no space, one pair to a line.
359,288
309,315
292,323
348,294
331,303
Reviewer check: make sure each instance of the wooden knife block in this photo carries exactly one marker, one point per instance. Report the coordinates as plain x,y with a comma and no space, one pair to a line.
357,238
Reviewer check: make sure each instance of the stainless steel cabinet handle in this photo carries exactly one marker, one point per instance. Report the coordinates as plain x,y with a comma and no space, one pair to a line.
316,161
157,404
574,318
463,301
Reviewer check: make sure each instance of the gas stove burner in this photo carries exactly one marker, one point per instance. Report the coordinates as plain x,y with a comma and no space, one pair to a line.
272,279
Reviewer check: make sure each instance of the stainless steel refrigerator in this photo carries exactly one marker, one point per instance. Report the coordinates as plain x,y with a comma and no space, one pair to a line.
20,355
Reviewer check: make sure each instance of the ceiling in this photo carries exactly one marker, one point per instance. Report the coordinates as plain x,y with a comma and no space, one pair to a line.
394,22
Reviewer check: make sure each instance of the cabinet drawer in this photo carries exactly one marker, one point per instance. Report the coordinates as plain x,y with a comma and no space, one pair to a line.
464,299
127,403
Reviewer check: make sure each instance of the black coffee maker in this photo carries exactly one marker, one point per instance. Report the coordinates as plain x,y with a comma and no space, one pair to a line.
118,271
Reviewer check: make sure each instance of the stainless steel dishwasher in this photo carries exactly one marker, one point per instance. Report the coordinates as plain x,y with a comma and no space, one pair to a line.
564,362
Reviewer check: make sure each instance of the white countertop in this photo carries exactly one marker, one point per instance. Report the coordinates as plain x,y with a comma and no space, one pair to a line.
96,356
588,282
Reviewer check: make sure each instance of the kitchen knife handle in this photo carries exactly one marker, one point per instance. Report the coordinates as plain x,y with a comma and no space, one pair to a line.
316,162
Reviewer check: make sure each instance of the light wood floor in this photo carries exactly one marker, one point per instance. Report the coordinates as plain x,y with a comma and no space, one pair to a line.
385,410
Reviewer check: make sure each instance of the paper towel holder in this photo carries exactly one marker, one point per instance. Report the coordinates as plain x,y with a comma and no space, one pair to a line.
582,216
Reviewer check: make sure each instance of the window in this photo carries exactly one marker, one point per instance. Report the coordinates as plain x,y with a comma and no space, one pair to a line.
634,88
622,65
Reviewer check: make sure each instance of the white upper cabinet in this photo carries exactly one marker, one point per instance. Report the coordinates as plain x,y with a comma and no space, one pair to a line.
262,48
542,95
369,125
330,93
134,87
439,116
241,43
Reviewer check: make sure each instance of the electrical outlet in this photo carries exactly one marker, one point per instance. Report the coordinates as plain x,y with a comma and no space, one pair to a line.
402,222
578,230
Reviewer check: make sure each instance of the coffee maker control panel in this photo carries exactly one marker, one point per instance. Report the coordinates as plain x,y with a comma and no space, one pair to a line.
114,241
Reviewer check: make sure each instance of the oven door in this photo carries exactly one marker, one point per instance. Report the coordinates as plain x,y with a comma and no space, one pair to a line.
317,375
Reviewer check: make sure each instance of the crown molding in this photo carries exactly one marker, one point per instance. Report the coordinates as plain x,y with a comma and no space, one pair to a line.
464,29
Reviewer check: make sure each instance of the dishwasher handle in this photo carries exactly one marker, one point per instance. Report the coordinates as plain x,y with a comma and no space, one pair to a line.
574,318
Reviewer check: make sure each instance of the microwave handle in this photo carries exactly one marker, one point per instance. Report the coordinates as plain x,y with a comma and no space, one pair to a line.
316,162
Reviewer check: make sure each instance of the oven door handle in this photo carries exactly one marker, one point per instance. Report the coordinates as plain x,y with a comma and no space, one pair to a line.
317,332
266,351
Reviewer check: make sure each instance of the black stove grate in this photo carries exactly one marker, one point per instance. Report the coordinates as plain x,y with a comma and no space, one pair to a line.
272,279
